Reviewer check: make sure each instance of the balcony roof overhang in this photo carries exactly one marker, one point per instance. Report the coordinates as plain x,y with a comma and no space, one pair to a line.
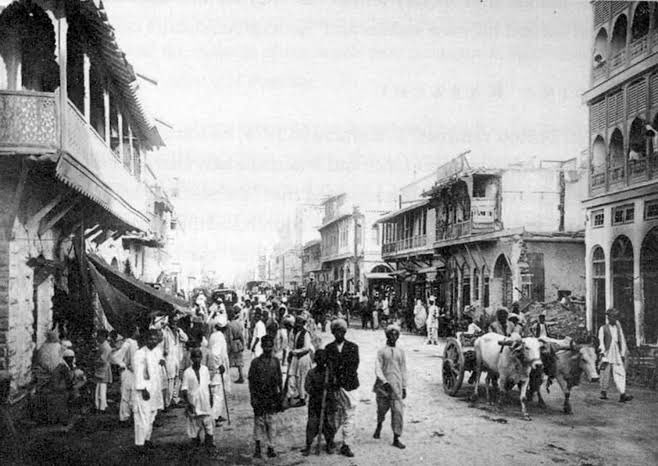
390,216
109,185
333,220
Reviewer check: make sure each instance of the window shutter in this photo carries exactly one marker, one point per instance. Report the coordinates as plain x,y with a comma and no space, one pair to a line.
615,107
601,12
654,90
597,116
618,6
637,97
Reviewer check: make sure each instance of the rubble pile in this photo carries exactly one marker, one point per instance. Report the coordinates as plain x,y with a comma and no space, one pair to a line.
562,318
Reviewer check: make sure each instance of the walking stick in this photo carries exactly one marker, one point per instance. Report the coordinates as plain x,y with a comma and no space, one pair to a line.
228,415
322,409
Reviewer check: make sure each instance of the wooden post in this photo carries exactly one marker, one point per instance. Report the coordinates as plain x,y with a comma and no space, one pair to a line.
86,65
131,166
106,108
120,129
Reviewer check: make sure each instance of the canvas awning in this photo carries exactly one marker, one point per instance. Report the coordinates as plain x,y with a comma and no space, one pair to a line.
137,291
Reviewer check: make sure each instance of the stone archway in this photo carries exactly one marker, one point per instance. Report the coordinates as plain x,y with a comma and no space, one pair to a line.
621,255
649,275
504,286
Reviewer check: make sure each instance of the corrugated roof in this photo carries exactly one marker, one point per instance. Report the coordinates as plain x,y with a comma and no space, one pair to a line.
396,213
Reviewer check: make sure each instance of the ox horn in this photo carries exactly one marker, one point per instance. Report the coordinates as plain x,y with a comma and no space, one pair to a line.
506,343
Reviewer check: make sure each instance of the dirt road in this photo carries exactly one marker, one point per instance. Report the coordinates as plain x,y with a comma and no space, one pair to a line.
438,429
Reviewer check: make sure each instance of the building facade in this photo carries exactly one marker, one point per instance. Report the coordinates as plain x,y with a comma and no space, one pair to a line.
349,245
73,142
311,265
622,200
489,237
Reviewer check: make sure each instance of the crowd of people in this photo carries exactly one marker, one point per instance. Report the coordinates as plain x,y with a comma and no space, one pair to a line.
185,360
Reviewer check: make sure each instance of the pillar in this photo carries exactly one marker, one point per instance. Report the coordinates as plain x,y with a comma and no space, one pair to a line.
87,84
106,108
638,291
460,291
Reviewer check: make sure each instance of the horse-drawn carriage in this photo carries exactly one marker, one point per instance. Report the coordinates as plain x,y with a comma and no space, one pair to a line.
458,358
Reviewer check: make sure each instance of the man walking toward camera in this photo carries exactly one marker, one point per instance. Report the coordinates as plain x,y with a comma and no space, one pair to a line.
612,345
343,357
391,385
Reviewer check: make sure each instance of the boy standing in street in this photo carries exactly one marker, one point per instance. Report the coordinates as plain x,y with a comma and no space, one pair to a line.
391,385
265,388
195,389
102,370
317,389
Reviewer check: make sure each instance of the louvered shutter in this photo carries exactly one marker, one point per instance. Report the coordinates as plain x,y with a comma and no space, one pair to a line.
637,97
597,116
654,90
615,107
618,6
601,12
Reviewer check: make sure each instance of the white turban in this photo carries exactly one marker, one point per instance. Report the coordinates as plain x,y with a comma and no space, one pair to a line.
392,327
339,323
68,353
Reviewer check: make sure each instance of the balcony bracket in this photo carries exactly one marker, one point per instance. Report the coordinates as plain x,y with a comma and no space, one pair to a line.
47,222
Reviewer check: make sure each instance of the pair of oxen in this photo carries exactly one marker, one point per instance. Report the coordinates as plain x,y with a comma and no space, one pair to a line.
510,361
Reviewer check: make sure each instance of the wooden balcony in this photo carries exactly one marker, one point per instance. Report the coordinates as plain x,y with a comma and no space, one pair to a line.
639,171
28,122
405,245
462,229
639,47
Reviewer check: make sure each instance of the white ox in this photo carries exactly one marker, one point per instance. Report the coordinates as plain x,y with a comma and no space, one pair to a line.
509,360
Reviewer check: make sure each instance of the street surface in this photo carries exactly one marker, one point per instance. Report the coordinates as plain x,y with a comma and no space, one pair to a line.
438,429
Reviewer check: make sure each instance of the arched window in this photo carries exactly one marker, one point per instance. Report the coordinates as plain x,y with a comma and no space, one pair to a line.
617,149
476,284
466,285
649,277
598,153
640,26
637,139
621,255
598,286
503,276
618,42
600,48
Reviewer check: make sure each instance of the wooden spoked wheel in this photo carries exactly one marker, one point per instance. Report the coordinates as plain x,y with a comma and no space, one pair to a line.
453,367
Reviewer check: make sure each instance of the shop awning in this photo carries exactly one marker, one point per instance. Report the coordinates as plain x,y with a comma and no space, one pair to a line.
390,216
378,276
135,290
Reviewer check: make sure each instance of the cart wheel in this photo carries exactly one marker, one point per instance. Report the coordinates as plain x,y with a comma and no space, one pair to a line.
453,367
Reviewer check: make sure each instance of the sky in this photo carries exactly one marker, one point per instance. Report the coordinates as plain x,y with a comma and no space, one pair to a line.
281,102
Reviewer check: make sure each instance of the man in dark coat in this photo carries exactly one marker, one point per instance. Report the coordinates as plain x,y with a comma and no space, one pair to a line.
343,357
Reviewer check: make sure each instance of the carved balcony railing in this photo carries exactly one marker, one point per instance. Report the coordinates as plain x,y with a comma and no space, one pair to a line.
618,59
406,244
28,121
600,72
639,47
598,179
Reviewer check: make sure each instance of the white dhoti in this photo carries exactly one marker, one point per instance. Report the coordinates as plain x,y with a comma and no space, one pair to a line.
346,416
144,415
127,386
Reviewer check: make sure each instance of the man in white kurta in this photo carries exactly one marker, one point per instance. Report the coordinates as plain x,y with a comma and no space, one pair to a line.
217,364
147,395
195,389
259,333
171,337
391,385
123,357
612,345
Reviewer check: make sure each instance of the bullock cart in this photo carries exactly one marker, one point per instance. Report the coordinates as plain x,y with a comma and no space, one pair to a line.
458,358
